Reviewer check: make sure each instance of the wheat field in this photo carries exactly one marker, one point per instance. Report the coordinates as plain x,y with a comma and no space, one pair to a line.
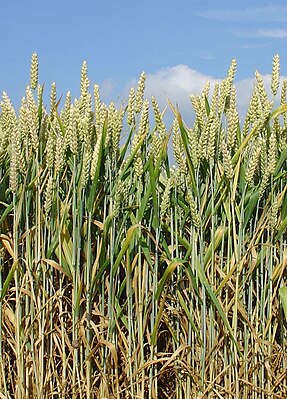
124,274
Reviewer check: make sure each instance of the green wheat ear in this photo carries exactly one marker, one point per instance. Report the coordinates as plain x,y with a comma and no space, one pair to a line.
275,77
34,71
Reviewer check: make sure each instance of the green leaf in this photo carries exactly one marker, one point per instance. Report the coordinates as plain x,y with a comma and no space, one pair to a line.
153,179
249,210
280,162
281,229
40,107
187,152
144,202
283,299
92,195
8,280
215,301
132,156
6,212
130,233
154,334
188,314
218,236
166,275
284,207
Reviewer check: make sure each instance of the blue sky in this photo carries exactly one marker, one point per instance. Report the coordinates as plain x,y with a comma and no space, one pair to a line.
179,44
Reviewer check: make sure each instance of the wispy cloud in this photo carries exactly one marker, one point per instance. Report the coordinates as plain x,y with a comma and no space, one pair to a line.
272,13
252,46
207,56
107,87
261,34
269,33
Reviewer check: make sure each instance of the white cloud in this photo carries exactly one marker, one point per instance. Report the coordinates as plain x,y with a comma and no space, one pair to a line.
176,84
180,77
244,89
179,82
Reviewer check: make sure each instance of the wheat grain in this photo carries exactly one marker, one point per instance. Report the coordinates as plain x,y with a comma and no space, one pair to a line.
140,93
49,194
275,77
262,95
95,156
34,71
231,73
50,150
59,154
143,124
205,91
227,162
178,148
213,128
138,166
72,134
197,106
131,107
165,203
85,174
232,120
193,209
53,98
253,162
192,135
65,114
272,152
214,99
